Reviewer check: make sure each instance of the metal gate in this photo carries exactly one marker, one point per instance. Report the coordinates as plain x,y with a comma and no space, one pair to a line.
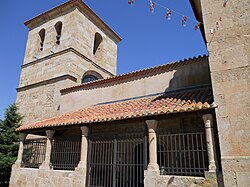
117,159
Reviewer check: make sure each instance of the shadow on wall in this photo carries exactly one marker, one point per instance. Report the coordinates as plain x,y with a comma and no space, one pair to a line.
191,75
192,82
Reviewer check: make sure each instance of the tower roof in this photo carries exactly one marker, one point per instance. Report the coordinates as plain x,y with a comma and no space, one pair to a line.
67,6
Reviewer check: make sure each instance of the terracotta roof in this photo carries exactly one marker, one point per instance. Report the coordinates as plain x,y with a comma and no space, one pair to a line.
191,99
134,74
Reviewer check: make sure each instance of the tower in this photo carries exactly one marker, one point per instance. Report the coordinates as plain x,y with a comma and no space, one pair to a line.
66,46
229,50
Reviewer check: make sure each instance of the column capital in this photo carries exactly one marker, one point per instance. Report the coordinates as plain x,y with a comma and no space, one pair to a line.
22,136
85,130
50,133
208,120
152,124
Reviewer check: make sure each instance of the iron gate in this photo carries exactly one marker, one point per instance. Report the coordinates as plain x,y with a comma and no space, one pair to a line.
117,159
65,153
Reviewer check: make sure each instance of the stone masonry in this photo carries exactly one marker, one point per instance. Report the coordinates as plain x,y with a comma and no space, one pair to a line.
44,73
229,53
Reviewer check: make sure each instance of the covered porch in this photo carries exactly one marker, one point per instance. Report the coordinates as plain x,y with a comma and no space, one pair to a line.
167,139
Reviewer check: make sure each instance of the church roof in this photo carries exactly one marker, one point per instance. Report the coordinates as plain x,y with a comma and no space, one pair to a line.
184,100
138,73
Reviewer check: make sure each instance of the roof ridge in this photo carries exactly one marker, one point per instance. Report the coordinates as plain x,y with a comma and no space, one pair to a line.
136,73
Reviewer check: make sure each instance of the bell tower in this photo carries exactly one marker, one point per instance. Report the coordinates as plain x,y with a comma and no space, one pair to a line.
66,46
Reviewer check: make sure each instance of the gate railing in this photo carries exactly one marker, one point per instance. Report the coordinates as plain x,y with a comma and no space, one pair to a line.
117,160
33,152
65,154
182,154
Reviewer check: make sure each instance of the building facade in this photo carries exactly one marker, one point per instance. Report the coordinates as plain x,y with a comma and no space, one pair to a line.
179,124
63,47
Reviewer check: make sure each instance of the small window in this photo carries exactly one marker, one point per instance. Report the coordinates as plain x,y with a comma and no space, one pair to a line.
58,27
42,37
97,42
89,78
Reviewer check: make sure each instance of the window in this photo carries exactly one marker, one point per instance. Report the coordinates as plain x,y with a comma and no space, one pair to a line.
89,78
97,42
42,37
58,27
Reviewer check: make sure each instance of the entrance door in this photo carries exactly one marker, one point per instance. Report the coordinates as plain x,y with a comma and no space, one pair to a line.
117,159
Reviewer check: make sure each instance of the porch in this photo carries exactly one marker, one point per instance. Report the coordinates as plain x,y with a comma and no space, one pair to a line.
175,149
168,139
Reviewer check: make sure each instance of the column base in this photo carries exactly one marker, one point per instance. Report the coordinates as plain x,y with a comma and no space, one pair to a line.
17,164
212,166
82,164
46,166
153,167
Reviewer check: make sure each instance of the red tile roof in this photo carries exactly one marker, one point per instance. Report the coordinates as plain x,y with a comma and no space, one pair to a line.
134,74
192,99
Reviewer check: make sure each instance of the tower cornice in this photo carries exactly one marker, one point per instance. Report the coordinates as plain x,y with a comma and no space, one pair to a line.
48,15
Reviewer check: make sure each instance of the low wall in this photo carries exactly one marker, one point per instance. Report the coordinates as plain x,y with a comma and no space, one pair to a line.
154,179
28,177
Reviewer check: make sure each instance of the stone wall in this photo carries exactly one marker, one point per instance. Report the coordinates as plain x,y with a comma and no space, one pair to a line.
154,179
65,63
42,101
44,73
77,32
191,74
229,53
28,177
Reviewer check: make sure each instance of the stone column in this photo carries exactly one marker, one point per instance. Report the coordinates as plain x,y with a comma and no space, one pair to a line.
81,169
46,163
208,121
22,137
84,147
152,140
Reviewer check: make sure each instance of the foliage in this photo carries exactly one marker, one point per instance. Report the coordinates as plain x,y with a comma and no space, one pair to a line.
9,141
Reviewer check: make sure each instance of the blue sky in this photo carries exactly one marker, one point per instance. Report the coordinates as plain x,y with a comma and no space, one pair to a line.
148,38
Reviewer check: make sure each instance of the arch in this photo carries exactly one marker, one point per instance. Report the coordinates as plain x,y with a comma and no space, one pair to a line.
42,37
90,76
98,40
58,27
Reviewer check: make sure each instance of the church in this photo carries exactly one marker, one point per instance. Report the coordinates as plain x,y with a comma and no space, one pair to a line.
184,123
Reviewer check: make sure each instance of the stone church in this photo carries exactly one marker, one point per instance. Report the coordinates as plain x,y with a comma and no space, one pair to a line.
180,124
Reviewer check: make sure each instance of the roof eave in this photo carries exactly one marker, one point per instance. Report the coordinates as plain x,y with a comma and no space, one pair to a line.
196,6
